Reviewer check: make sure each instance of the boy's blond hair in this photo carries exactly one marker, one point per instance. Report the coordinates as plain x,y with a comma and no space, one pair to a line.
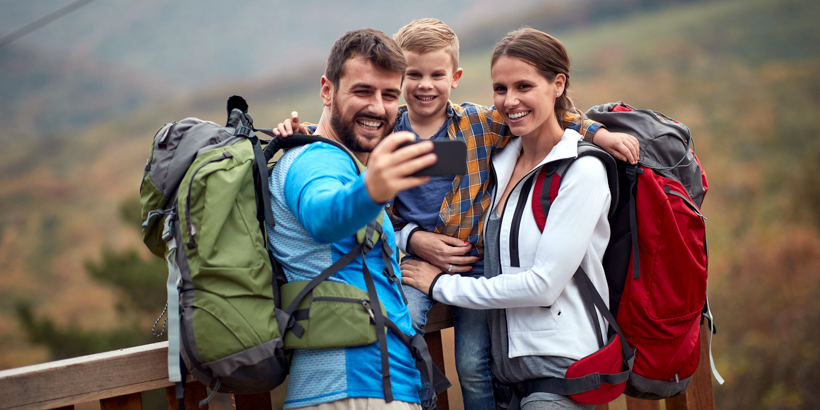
427,35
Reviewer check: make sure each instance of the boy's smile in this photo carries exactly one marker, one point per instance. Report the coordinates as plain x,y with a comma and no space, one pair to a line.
427,83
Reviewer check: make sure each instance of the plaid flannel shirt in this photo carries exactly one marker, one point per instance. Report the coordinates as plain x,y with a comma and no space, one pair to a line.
482,128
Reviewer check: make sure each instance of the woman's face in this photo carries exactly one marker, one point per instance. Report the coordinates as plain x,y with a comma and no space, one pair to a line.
523,96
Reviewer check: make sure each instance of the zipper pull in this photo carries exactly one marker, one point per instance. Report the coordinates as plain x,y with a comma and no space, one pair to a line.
369,310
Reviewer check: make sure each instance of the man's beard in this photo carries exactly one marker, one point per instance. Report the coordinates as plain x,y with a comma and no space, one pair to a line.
344,128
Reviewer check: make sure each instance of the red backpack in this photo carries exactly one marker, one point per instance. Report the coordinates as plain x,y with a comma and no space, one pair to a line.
658,287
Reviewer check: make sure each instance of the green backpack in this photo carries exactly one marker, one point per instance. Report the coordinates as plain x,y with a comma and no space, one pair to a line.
205,202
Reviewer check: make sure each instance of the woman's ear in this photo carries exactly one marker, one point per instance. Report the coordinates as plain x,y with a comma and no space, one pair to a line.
559,83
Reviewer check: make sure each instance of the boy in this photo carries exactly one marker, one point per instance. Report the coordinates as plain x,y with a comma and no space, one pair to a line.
442,220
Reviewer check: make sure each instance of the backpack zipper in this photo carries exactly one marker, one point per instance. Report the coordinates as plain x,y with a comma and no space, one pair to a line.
668,190
191,230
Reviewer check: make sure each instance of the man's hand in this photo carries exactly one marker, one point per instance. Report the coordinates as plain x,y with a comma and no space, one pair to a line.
621,146
419,274
289,127
445,252
390,170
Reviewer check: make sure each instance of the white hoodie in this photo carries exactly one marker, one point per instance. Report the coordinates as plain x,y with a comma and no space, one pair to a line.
576,233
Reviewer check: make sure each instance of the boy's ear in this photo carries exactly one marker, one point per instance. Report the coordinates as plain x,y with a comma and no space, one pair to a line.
326,92
456,77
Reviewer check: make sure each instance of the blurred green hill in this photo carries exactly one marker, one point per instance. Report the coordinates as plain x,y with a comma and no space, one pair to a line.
744,75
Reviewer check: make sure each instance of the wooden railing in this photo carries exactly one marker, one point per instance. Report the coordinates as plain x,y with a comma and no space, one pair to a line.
117,379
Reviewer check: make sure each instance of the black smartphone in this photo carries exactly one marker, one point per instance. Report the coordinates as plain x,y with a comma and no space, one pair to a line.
452,158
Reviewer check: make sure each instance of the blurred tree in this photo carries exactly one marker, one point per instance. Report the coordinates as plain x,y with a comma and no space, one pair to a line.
140,289
772,303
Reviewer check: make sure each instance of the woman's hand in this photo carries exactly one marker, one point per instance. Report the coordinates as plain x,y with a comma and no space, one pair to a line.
443,251
419,274
622,146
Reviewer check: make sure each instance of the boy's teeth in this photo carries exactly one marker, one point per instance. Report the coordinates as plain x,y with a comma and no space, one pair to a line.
426,98
518,115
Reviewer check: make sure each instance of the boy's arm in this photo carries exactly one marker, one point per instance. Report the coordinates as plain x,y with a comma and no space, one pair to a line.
292,126
621,146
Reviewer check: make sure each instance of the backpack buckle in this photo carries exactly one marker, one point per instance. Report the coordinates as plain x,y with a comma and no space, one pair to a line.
242,131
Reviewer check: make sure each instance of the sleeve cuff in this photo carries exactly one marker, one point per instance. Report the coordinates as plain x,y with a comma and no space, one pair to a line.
589,132
430,291
403,236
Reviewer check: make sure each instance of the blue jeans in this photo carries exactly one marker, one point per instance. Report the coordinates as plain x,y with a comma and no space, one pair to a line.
472,350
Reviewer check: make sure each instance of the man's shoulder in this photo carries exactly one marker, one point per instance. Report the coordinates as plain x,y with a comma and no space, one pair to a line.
319,156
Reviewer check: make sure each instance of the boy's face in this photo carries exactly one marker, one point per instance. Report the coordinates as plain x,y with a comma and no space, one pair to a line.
428,81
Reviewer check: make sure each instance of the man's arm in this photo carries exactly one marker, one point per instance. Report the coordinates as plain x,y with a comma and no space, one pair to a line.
327,196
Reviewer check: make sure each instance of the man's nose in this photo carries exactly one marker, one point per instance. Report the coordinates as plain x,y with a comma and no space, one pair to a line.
377,104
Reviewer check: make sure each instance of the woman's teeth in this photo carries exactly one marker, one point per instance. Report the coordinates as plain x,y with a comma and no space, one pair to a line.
518,115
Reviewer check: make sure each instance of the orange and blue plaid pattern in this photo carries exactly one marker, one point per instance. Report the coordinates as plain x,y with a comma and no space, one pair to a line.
483,130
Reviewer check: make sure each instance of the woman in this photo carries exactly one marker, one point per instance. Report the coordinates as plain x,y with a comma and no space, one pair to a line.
544,326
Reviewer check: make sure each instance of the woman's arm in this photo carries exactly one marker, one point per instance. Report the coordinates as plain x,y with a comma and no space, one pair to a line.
582,203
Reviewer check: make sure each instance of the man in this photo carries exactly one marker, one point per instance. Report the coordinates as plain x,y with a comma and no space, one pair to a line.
320,200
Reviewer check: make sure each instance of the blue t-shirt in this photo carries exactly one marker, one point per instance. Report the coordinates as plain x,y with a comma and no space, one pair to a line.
319,202
422,205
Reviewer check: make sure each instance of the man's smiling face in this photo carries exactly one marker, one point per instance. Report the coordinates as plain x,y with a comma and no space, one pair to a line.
365,105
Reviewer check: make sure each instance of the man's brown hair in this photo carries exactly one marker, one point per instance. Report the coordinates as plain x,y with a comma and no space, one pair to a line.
373,45
426,35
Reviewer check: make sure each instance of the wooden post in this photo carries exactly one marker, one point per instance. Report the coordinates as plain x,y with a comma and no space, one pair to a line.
436,349
604,406
699,395
259,401
639,404
194,393
131,401
439,317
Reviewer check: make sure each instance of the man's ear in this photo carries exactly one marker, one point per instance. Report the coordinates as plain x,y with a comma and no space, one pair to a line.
326,92
456,77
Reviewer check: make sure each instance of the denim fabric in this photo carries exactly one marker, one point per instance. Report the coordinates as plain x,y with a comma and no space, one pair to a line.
472,350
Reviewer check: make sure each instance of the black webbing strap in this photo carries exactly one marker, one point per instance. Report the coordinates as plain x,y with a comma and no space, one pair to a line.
387,253
577,385
339,264
566,387
632,173
588,291
179,387
424,362
261,169
589,304
378,318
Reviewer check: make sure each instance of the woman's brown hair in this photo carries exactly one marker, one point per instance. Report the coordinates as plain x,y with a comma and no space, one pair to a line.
546,54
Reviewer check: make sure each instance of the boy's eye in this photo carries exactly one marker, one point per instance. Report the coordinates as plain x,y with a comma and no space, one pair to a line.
438,75
413,75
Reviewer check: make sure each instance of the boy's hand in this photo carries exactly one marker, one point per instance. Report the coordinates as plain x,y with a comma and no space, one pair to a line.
390,170
622,146
445,252
419,274
289,127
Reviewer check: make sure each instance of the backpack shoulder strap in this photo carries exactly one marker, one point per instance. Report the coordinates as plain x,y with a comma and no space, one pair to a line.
549,178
